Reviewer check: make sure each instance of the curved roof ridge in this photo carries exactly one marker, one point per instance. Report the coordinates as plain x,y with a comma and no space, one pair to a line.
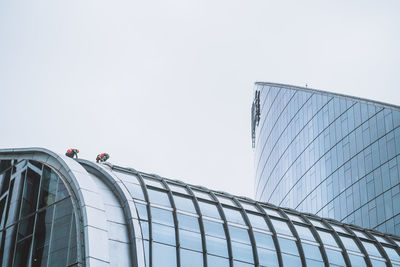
324,92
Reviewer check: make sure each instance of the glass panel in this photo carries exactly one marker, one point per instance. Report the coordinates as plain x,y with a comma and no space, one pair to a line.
162,216
242,252
258,222
209,210
317,223
376,263
304,232
248,206
272,212
381,239
314,263
145,229
327,238
234,216
281,227
214,261
239,234
142,211
135,190
267,258
360,234
371,249
241,264
127,177
185,204
264,240
153,182
30,194
158,197
60,233
289,260
357,260
42,237
392,254
191,259
48,188
177,188
201,194
22,253
163,234
190,240
349,244
216,246
188,222
226,201
339,229
312,252
288,246
335,257
295,218
213,228
163,255
62,191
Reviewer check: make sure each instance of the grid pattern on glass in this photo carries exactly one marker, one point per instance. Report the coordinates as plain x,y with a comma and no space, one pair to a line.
242,237
36,217
329,155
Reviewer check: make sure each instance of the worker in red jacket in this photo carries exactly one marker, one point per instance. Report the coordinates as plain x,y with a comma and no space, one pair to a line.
102,157
72,152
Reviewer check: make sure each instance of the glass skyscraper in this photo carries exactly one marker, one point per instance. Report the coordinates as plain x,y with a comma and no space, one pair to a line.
56,211
328,154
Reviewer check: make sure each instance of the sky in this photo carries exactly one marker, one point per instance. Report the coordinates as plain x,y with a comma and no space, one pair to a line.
166,86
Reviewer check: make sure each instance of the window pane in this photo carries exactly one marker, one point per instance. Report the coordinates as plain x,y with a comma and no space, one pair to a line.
214,228
191,258
267,258
201,194
392,254
226,201
311,252
30,193
177,188
288,246
289,260
272,212
281,227
142,211
48,188
357,260
127,177
209,210
163,234
258,222
214,261
304,232
376,263
264,240
135,190
153,182
216,246
163,255
190,240
42,237
371,249
185,204
188,222
241,264
162,216
233,215
248,206
239,234
335,257
242,252
158,197
349,244
327,238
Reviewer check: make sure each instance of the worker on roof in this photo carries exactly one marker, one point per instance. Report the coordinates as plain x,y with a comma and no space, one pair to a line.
72,152
103,157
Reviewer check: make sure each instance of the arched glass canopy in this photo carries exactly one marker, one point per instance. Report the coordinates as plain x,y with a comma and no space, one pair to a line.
185,225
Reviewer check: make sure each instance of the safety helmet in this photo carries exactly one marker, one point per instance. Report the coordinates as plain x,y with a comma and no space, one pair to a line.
77,151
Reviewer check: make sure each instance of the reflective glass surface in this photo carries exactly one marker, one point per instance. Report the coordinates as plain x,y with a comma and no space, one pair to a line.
329,155
37,220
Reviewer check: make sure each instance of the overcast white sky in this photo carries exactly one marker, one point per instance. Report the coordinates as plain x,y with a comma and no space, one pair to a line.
166,86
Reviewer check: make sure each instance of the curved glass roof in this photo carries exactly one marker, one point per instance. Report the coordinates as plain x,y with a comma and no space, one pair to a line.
185,225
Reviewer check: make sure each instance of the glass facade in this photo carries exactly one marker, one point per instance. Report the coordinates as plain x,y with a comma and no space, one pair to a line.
58,211
184,225
37,221
327,154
